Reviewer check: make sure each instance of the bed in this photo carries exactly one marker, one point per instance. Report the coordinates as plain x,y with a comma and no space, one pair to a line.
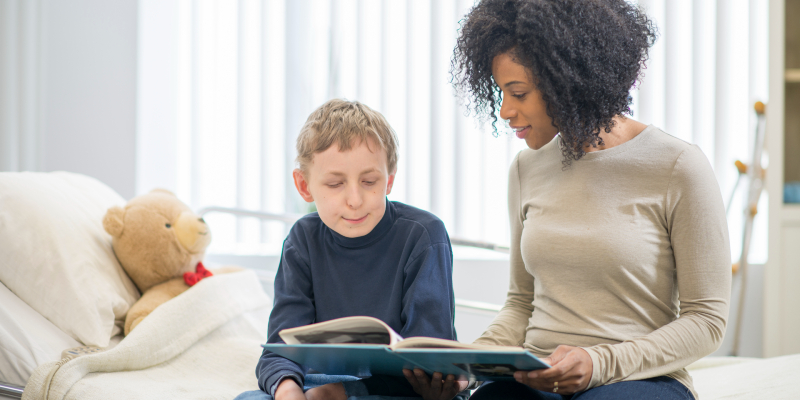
205,342
61,287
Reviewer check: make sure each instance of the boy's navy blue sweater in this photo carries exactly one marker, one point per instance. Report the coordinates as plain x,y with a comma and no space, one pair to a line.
400,273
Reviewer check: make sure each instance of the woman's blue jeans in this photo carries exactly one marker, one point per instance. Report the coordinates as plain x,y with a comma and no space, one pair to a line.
661,388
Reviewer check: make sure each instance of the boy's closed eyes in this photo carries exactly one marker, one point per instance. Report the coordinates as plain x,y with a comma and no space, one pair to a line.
340,179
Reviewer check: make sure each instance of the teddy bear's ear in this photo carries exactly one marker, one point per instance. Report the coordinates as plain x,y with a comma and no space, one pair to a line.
164,191
113,221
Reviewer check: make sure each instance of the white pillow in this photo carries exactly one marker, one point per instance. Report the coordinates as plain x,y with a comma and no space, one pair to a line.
56,257
27,339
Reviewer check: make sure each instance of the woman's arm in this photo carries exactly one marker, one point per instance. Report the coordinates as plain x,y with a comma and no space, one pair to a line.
508,328
698,233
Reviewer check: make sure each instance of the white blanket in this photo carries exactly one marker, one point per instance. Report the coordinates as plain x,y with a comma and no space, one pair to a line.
203,344
733,378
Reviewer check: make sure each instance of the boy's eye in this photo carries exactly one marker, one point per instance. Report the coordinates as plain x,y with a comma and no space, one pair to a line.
333,185
369,182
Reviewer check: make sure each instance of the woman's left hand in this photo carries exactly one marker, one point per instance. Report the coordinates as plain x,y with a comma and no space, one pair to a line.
570,371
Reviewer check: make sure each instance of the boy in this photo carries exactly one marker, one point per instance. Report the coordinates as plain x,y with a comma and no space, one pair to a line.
359,254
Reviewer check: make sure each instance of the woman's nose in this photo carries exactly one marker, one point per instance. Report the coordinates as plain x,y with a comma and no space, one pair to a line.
506,111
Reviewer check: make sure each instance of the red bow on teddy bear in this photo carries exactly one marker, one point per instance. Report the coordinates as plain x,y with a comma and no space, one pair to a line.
191,278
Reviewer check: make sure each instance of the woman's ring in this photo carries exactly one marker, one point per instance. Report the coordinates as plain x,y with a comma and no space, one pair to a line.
555,387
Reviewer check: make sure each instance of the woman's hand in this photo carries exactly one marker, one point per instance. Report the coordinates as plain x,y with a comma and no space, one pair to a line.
435,388
570,371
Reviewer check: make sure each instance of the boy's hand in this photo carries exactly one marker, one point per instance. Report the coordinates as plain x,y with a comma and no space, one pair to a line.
436,388
289,390
330,391
570,371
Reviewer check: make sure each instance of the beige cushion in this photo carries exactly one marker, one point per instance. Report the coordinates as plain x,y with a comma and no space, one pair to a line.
56,257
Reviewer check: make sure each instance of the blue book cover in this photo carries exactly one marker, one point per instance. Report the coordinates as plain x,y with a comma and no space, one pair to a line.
343,359
482,365
370,359
364,346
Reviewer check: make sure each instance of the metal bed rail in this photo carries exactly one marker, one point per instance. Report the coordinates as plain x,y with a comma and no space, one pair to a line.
292,218
8,390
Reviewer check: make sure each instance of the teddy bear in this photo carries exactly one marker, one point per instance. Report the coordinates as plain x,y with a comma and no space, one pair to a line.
160,243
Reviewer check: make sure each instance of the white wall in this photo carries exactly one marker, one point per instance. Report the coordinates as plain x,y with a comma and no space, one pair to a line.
89,89
69,83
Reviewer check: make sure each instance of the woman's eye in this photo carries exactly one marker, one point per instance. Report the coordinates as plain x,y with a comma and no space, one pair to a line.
168,225
519,96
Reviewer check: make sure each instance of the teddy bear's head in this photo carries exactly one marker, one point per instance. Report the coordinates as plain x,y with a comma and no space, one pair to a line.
156,237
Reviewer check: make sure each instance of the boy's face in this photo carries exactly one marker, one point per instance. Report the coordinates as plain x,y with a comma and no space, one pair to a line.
349,188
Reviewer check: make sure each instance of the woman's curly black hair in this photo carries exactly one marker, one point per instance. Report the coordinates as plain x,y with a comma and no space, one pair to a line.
584,57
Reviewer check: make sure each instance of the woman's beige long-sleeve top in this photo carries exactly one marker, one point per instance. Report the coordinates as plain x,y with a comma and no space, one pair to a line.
624,253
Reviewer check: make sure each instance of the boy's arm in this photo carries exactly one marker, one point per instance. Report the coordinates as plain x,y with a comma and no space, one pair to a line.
429,310
293,307
428,299
288,389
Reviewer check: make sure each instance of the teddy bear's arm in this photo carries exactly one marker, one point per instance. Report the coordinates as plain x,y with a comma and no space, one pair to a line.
151,299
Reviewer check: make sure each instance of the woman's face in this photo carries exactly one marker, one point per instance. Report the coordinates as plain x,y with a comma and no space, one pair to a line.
522,103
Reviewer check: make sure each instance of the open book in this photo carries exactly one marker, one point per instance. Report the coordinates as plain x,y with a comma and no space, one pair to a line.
363,346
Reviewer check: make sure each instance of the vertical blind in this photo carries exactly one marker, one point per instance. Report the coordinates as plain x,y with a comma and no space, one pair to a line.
224,87
20,147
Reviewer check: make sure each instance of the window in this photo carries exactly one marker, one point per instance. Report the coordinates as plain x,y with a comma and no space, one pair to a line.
225,86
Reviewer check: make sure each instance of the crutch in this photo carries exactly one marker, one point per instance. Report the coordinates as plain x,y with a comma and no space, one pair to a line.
755,177
741,168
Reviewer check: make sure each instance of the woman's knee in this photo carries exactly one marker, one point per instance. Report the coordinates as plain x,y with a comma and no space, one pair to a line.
660,387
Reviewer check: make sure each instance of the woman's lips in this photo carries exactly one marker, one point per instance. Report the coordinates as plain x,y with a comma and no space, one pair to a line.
521,132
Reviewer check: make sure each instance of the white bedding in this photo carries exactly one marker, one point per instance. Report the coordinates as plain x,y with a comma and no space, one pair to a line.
27,339
203,344
756,378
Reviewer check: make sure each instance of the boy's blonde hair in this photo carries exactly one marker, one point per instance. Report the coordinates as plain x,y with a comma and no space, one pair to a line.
345,123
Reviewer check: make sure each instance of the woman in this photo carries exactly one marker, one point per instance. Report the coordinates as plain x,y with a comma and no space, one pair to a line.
620,260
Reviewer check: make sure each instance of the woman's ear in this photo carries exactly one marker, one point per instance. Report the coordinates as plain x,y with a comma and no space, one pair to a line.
113,222
301,184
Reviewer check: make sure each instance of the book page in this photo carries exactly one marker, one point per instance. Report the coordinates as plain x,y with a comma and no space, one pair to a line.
422,342
350,330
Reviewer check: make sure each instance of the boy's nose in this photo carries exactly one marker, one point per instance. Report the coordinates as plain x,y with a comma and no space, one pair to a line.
354,198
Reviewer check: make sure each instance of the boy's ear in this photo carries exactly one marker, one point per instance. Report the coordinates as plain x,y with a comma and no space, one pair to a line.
301,184
390,183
